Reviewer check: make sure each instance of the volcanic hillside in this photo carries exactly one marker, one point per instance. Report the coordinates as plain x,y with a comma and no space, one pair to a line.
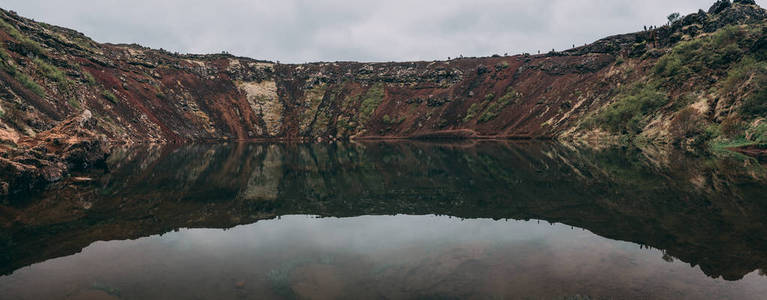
64,99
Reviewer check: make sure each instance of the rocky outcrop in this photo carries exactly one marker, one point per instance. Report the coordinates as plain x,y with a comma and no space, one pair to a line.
719,6
72,145
140,95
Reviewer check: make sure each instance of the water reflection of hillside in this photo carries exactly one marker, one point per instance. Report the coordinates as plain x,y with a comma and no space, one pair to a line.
703,210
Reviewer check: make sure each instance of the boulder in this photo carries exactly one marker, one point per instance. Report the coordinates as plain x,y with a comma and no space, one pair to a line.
745,2
719,6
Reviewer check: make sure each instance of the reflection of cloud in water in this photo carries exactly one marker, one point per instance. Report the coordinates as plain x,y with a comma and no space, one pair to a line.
392,256
371,233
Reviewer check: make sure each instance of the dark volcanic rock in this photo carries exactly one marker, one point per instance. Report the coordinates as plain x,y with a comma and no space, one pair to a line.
736,14
69,146
719,6
745,2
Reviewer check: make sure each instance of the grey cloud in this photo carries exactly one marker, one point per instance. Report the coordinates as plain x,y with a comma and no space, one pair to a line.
330,30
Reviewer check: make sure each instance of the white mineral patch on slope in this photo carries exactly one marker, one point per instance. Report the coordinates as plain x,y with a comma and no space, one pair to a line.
701,105
263,100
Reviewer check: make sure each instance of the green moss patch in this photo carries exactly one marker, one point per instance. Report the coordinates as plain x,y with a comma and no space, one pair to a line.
496,106
370,102
109,96
627,115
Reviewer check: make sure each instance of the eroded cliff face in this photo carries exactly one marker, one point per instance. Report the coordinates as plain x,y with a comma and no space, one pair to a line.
136,95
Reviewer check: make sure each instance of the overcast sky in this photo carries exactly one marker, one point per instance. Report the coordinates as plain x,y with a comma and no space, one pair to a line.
299,31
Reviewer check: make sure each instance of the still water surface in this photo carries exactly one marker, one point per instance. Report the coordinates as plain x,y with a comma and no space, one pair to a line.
393,220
